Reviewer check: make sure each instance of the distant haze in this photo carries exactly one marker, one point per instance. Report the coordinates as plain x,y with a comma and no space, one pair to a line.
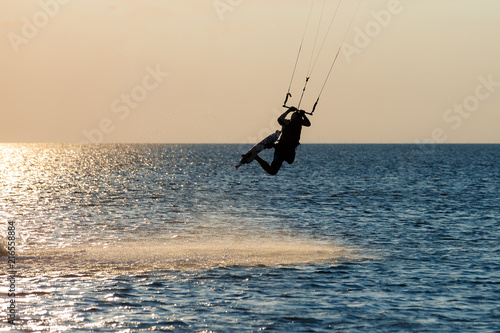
199,71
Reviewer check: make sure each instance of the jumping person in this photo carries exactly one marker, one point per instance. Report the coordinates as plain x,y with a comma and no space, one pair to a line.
284,149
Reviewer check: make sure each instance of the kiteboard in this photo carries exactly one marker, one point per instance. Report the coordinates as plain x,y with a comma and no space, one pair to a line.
250,156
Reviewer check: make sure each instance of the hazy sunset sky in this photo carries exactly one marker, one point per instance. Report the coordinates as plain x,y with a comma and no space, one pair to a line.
203,71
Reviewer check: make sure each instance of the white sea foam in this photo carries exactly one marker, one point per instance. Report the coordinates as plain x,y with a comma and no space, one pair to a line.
175,255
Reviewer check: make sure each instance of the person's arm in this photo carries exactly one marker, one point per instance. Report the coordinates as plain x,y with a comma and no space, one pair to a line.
305,120
281,120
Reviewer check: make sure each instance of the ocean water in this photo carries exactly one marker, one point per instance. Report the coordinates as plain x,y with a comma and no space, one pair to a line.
349,238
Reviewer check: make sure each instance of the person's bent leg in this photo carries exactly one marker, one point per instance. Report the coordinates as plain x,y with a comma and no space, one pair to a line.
270,169
276,165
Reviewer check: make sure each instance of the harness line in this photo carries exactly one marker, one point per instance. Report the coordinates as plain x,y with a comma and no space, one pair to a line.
313,64
288,94
336,56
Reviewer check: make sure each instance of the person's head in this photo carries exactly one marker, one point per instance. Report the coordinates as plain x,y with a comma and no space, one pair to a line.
296,115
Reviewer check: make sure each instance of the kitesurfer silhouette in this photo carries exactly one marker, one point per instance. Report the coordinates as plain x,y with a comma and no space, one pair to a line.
284,149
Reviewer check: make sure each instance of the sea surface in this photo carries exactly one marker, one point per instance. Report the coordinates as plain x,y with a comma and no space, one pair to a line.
349,238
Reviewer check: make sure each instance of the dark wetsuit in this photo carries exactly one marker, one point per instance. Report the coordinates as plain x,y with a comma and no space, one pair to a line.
284,150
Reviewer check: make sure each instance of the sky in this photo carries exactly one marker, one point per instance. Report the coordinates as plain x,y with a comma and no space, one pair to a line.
217,71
